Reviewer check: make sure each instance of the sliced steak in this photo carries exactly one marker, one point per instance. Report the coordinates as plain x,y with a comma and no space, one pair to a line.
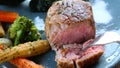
75,56
69,24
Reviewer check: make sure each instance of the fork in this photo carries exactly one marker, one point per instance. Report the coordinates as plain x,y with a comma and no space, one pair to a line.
105,38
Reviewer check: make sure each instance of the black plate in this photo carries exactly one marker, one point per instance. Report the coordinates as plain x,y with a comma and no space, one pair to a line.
107,17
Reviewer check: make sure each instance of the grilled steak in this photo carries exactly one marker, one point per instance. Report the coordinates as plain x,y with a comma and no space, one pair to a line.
69,24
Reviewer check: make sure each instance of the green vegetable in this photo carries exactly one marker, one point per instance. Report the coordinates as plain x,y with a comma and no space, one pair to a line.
23,30
40,5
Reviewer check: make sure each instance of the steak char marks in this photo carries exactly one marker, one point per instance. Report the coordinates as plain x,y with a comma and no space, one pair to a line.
69,27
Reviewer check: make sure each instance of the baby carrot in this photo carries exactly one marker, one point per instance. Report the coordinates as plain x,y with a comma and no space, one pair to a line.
7,16
25,63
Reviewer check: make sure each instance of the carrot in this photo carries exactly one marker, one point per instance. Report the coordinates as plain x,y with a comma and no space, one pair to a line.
7,16
1,47
25,63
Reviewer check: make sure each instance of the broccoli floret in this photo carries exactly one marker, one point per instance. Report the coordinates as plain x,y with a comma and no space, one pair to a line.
23,30
40,5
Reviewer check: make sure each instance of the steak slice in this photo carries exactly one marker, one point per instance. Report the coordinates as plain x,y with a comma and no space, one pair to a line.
75,57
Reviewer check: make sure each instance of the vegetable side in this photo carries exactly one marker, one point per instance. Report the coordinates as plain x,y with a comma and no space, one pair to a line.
23,30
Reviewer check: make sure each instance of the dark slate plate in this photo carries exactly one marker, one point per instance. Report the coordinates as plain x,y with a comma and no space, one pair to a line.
107,18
